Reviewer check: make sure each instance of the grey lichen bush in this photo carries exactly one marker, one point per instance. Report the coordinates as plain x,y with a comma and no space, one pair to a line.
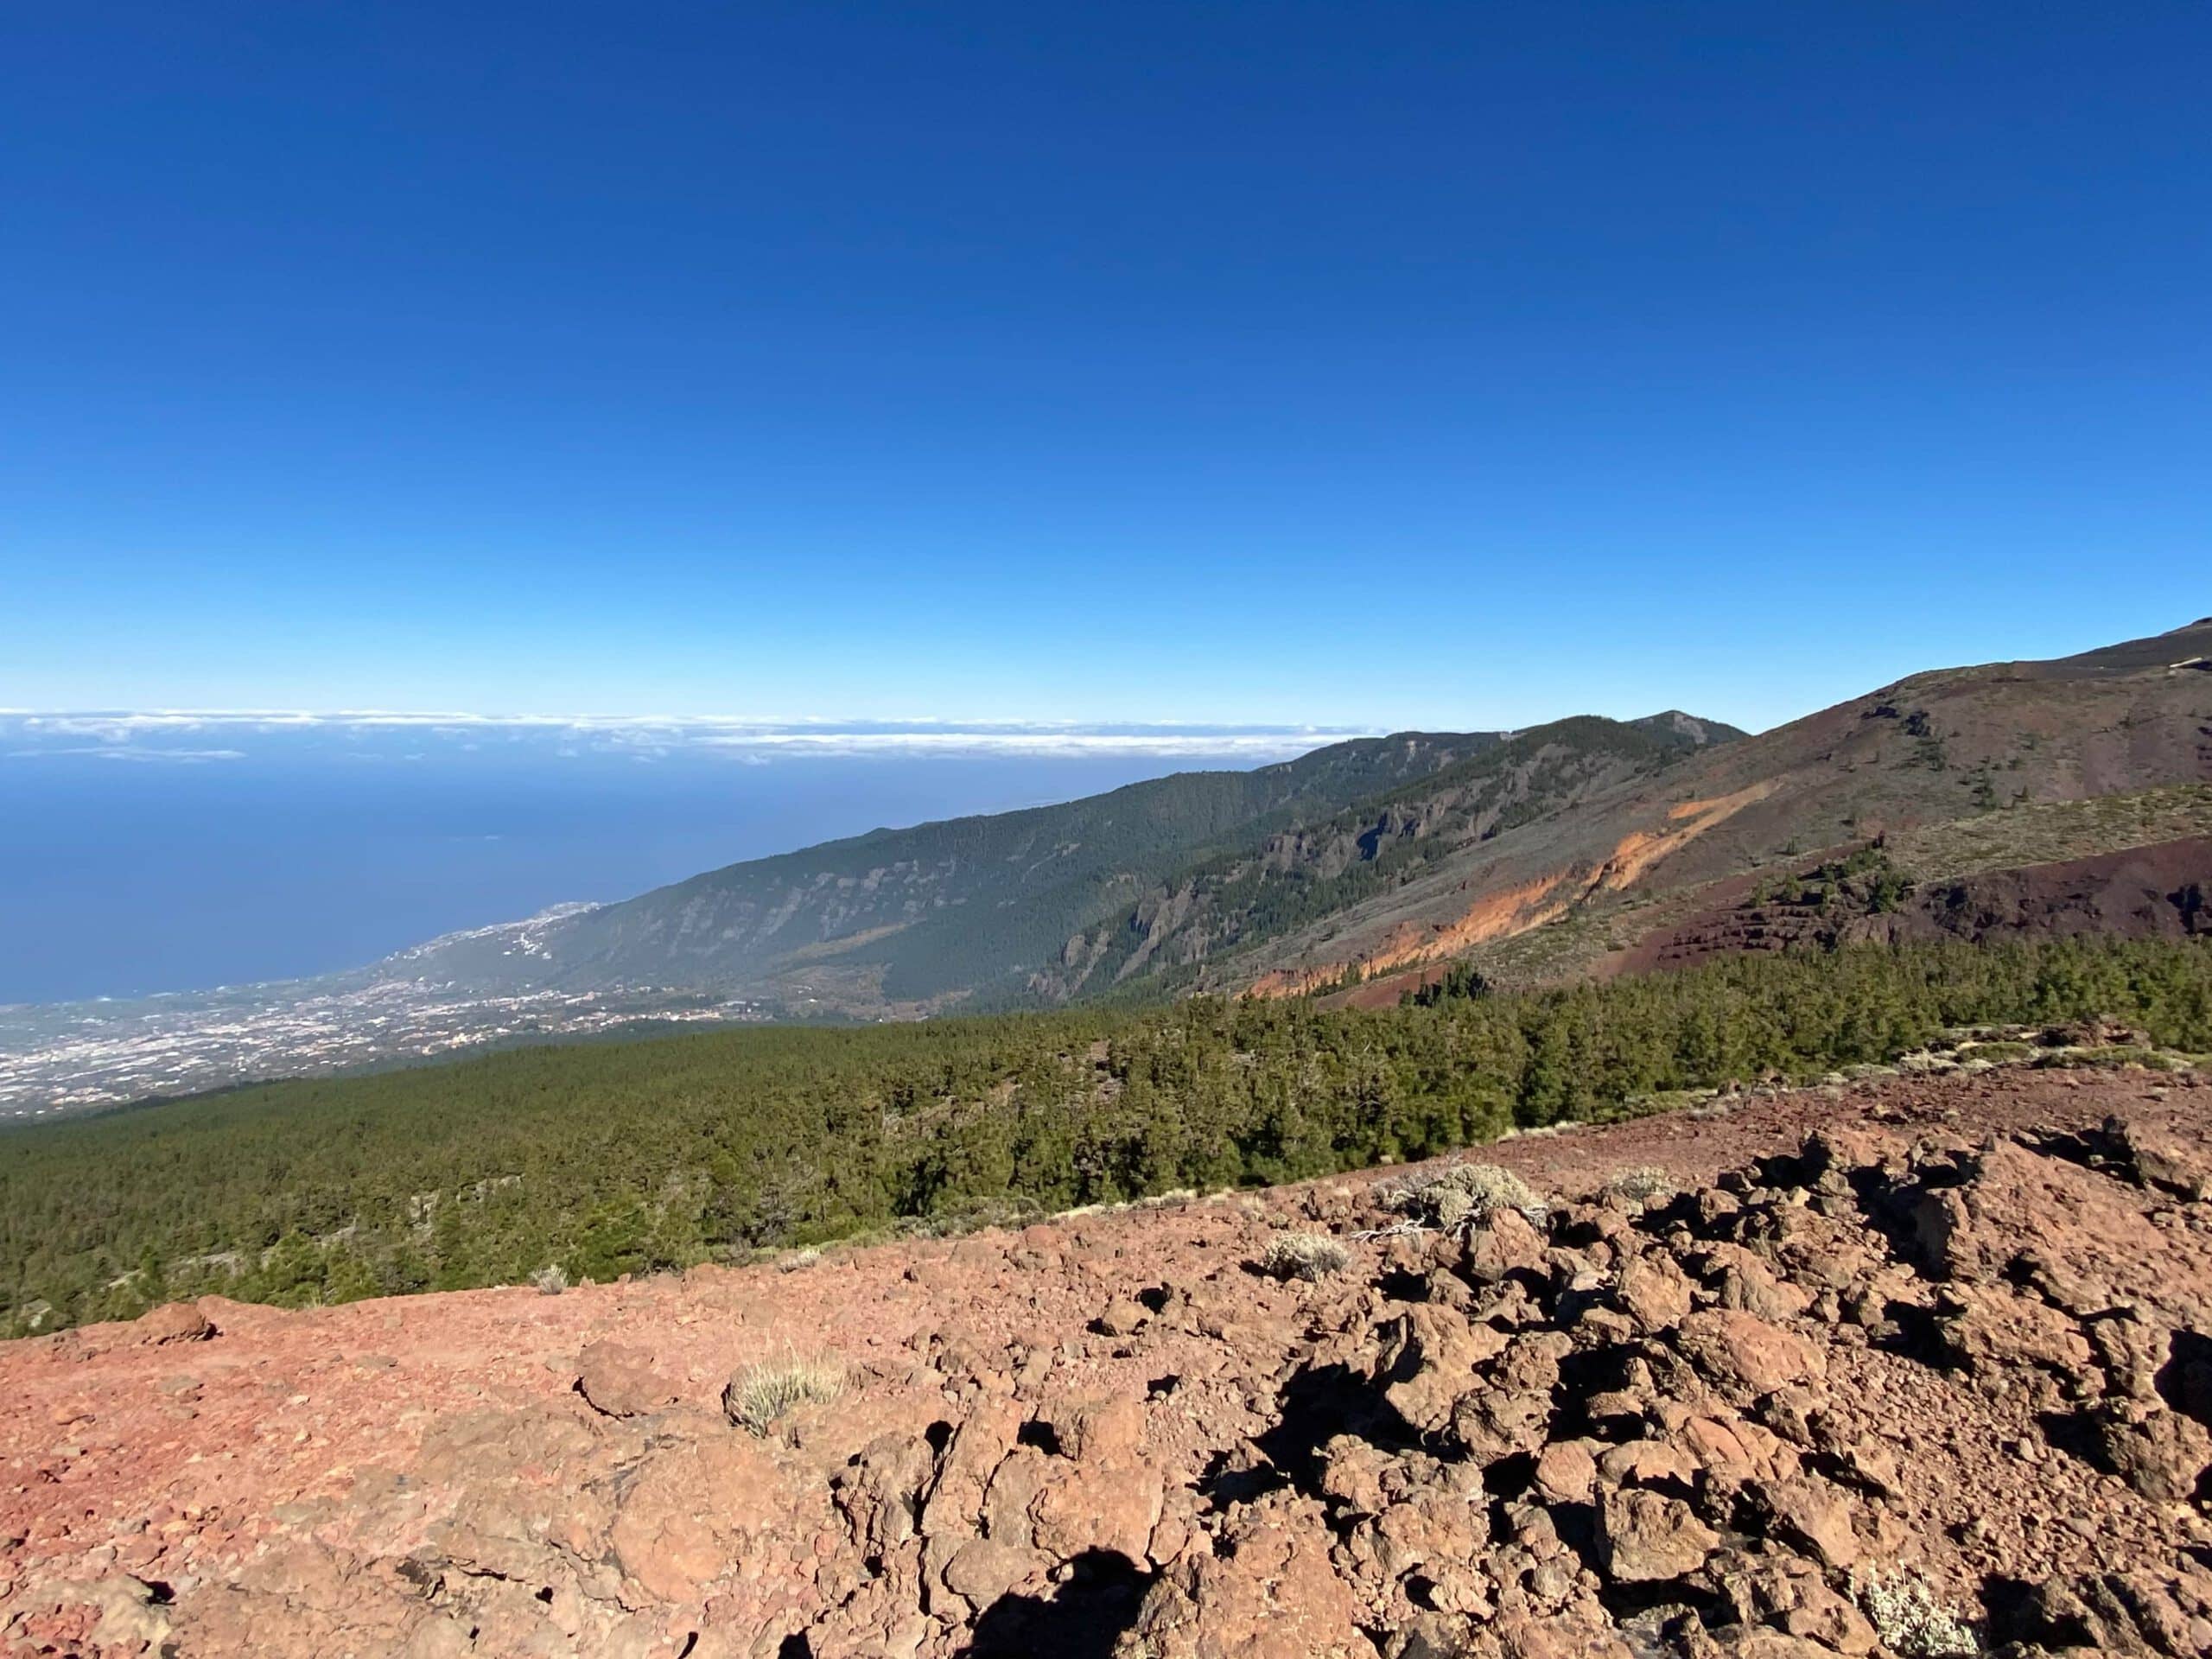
1303,1256
1645,1183
1461,1193
1910,1620
762,1395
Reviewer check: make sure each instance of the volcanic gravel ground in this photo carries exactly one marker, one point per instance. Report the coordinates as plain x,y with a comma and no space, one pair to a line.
1889,1356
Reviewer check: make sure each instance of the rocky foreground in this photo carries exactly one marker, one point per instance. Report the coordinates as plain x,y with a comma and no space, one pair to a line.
1921,1367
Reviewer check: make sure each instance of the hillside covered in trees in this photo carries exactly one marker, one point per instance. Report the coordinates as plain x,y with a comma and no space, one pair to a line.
991,910
623,1157
1381,856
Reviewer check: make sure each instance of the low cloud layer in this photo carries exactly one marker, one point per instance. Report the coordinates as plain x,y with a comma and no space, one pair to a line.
237,734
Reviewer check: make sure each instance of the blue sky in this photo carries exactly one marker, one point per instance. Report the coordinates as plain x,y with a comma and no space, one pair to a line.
1361,365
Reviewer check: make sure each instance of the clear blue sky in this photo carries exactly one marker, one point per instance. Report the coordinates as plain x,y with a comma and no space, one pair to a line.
1360,363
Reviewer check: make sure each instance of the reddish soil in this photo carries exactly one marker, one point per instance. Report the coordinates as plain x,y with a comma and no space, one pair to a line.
2139,892
1963,1340
2163,891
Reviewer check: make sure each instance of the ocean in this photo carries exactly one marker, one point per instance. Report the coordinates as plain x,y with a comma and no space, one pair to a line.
138,856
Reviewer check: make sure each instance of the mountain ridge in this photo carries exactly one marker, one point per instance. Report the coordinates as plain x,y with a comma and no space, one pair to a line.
951,887
1943,746
1375,855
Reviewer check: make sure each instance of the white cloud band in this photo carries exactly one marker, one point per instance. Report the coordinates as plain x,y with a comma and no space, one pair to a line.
165,734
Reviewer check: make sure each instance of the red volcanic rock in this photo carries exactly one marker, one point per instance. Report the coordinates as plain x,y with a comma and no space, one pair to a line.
621,1382
1949,1330
2162,1454
1813,1515
689,1511
1566,1472
1268,1592
1654,1293
1742,1351
1648,1535
2163,1159
1123,1318
172,1322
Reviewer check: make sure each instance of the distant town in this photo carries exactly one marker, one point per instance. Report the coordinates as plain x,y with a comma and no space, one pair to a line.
65,1057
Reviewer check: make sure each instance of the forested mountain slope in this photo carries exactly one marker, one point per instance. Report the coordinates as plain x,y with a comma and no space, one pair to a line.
1378,857
974,909
615,1158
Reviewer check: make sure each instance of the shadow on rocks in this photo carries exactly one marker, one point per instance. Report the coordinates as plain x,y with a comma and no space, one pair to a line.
1318,1405
1081,1619
2186,1380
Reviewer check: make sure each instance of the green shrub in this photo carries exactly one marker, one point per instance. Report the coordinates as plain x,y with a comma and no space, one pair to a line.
1909,1619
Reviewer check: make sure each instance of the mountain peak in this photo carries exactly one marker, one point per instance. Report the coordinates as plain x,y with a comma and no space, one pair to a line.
1698,730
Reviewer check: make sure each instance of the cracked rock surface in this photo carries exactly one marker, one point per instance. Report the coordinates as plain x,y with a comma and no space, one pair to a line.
1914,1367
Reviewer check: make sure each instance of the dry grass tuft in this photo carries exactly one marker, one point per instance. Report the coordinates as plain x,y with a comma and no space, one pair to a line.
761,1396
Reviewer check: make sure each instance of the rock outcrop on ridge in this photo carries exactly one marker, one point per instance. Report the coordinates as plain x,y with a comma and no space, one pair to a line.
1918,1368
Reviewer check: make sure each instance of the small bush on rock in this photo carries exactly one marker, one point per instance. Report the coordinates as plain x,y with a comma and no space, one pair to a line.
1175,1199
1911,1621
1304,1255
1461,1193
760,1395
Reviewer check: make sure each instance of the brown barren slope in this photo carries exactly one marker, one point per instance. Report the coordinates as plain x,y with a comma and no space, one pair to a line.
1931,751
2138,893
1952,1354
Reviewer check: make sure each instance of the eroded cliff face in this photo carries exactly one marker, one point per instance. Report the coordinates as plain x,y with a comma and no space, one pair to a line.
1505,912
1876,1370
1224,910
